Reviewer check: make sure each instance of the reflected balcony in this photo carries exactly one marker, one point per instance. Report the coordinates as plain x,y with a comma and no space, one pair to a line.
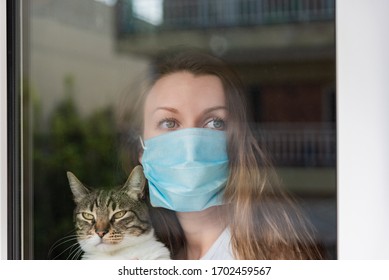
227,27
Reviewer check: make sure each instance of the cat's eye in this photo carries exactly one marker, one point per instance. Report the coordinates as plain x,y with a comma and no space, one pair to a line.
87,216
119,214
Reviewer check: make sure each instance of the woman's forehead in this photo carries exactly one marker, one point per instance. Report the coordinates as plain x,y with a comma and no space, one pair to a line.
186,88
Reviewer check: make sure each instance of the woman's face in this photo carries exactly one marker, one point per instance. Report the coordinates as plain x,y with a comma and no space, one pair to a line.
182,100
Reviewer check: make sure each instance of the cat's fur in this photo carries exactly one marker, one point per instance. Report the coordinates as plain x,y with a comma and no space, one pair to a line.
115,224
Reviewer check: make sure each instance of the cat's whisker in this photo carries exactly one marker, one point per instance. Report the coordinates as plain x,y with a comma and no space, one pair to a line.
62,241
69,234
70,248
80,252
75,252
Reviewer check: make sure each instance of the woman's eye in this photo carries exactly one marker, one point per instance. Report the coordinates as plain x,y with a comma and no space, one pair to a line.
168,124
87,216
119,214
216,124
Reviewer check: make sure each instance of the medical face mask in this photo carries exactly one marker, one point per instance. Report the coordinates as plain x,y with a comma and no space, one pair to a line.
187,169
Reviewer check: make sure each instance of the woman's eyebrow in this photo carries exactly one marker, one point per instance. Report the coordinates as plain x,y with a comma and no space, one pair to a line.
170,109
215,108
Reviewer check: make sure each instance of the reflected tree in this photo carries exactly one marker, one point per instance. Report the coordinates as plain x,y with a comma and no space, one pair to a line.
87,146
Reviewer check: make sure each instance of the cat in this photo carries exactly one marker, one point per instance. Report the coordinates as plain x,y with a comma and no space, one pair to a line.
115,224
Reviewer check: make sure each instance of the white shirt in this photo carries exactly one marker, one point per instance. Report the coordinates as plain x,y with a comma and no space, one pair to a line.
221,248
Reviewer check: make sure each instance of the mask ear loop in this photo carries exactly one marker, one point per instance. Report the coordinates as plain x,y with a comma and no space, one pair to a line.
142,143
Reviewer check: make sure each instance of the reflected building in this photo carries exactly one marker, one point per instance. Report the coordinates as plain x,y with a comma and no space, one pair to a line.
283,50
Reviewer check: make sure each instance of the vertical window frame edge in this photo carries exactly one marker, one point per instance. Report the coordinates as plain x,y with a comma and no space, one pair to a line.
14,163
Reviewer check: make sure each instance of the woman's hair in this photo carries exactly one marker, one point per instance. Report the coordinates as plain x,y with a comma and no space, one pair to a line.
264,222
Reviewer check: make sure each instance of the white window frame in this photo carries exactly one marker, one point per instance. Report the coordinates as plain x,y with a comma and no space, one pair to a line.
362,137
362,40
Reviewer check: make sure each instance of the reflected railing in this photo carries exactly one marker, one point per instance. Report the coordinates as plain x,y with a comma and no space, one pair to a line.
310,145
139,15
244,12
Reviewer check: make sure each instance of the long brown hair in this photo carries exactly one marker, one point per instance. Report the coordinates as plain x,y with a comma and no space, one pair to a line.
264,221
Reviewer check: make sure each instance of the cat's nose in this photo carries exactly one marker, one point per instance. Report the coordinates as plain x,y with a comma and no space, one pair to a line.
101,233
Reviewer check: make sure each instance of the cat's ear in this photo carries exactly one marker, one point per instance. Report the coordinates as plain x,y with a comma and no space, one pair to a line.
135,184
78,189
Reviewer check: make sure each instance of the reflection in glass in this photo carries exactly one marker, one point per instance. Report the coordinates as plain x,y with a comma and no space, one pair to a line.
86,58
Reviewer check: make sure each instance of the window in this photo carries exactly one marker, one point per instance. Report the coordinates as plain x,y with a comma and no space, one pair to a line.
81,60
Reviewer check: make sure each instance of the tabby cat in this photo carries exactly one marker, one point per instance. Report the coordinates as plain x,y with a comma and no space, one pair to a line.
115,224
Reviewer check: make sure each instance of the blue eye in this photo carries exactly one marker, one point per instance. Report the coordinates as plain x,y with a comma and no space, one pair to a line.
216,123
168,123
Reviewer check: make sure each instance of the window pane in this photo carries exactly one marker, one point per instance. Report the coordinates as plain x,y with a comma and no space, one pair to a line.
87,60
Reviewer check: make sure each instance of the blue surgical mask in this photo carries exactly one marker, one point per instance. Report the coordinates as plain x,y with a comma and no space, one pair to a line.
187,169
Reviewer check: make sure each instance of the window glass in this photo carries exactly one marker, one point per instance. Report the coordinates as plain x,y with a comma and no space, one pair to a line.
86,60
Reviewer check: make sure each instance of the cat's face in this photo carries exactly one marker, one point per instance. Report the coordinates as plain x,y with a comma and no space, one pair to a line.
107,220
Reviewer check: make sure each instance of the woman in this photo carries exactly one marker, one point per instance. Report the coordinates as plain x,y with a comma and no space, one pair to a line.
191,98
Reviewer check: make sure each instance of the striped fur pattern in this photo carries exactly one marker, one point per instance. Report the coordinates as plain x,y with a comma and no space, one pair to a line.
115,224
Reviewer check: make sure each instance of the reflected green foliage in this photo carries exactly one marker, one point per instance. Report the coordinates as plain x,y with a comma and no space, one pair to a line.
87,146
